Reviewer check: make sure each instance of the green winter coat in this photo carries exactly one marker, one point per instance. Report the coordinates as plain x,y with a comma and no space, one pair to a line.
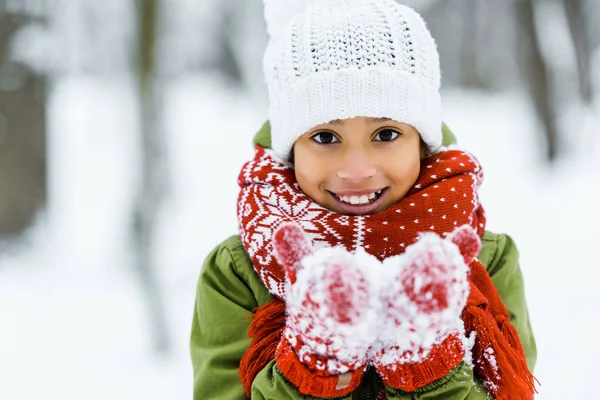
229,289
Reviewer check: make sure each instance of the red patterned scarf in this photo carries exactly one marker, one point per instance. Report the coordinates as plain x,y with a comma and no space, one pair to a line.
444,197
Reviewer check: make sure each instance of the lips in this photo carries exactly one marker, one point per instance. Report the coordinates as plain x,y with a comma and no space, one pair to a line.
359,203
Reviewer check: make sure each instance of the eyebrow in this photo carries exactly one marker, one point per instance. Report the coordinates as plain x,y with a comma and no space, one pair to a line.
370,120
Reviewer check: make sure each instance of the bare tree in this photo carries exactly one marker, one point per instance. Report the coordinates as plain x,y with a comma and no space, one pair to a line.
97,38
22,135
579,35
536,74
198,36
153,169
471,12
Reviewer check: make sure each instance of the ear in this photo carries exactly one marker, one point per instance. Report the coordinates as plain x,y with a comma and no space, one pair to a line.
467,241
290,246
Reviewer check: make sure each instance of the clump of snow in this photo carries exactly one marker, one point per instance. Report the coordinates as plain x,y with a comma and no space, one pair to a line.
330,306
346,305
468,343
412,321
490,356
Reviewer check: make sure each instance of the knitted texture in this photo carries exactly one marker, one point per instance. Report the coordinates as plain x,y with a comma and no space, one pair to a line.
440,360
328,327
337,59
444,197
421,333
345,309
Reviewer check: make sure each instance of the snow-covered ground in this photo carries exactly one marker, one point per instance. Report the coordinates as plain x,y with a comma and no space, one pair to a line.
71,314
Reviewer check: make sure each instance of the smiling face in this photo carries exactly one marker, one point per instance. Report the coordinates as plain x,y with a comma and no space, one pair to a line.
358,166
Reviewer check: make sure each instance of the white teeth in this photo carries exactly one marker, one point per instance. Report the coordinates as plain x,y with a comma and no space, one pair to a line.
364,199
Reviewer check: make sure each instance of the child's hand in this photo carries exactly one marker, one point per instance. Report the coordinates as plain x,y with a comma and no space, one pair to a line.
330,320
421,335
345,310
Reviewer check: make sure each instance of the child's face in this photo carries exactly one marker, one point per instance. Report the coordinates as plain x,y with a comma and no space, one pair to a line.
359,165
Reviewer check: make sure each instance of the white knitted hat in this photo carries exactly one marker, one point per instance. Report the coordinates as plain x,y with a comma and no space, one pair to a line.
337,59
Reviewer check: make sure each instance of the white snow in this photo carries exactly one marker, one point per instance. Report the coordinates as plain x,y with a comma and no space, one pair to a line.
71,314
427,328
350,333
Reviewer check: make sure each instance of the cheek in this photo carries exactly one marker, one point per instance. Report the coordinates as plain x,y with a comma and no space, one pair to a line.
310,174
405,170
304,178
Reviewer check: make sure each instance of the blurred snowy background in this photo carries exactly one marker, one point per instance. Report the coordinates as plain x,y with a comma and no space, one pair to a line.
123,125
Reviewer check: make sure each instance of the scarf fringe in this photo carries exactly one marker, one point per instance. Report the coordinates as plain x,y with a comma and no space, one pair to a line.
498,356
265,330
497,353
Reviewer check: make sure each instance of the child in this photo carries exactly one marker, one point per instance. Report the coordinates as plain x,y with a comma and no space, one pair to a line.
363,269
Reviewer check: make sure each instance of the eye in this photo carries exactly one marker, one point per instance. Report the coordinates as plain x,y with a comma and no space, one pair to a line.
386,135
324,138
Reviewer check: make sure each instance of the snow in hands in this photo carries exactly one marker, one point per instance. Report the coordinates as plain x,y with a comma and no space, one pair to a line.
354,309
425,290
329,318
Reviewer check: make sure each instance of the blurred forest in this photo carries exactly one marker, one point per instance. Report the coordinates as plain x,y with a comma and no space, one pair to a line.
545,48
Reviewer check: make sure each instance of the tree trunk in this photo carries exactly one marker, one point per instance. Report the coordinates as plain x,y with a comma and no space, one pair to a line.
536,76
579,36
153,170
23,184
470,73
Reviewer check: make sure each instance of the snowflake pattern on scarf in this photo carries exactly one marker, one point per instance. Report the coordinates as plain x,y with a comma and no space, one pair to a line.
444,197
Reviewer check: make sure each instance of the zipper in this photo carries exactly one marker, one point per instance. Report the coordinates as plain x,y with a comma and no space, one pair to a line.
367,393
367,388
370,386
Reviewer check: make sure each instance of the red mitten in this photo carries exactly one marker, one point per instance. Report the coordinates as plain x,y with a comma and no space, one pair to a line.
324,346
421,336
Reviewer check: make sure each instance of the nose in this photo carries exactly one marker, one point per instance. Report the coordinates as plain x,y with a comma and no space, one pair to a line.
356,166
